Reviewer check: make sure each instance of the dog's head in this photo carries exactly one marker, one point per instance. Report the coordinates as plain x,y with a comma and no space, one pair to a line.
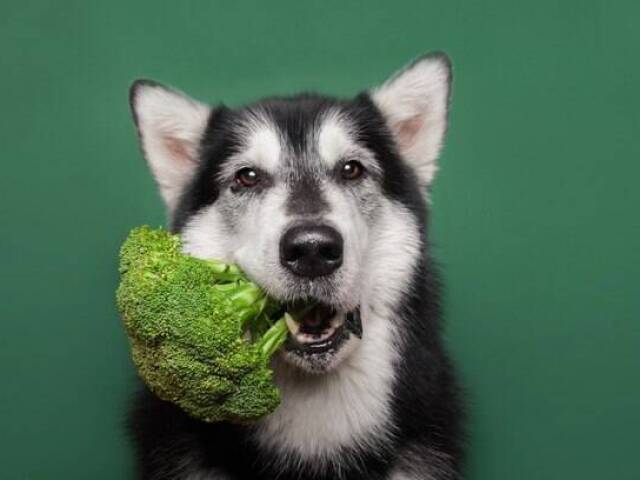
314,198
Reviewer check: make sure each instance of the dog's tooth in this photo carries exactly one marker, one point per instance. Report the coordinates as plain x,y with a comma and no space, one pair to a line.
336,321
327,333
292,325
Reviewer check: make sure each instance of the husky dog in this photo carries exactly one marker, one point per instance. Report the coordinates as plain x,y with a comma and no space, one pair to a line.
315,198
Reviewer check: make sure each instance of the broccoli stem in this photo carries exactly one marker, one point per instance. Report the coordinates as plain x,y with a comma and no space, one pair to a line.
224,271
250,303
247,299
274,337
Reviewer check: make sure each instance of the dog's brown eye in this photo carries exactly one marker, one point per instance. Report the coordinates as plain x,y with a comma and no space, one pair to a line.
352,170
247,177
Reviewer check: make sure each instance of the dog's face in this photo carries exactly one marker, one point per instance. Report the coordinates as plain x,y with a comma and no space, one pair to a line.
301,192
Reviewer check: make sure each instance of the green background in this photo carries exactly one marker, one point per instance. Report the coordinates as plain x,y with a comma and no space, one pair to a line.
535,208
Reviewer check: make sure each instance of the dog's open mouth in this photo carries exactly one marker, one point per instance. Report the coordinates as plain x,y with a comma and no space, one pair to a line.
321,329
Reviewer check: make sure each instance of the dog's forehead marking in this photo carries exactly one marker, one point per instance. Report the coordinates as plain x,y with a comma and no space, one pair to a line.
335,139
262,146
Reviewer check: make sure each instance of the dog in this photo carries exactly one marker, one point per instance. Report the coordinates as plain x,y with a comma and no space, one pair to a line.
317,198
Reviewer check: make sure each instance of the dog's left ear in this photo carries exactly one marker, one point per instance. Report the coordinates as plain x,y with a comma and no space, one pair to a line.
415,103
170,126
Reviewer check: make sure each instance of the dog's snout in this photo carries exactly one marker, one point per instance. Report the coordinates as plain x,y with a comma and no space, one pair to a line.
311,250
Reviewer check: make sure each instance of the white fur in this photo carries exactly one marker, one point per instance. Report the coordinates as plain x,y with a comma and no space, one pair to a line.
262,149
415,103
170,126
391,257
334,140
335,143
253,245
257,248
207,236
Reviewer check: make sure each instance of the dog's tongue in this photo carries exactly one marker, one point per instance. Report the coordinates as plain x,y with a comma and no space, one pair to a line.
317,319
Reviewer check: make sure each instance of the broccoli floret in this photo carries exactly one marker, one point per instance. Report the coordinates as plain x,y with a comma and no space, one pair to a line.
201,333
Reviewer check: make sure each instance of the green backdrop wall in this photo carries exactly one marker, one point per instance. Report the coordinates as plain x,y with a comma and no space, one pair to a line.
535,210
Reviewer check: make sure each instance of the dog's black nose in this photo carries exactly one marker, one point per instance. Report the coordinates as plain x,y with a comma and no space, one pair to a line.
311,250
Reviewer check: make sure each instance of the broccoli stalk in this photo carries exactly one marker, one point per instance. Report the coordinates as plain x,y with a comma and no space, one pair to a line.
201,332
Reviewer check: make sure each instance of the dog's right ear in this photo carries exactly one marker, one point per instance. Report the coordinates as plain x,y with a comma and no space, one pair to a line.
170,126
415,104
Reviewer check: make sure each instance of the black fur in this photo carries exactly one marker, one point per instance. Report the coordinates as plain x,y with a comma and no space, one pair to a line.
426,407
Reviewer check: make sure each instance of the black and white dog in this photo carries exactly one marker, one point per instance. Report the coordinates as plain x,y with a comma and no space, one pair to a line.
323,198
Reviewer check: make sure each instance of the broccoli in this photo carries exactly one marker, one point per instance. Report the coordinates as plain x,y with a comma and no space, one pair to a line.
201,333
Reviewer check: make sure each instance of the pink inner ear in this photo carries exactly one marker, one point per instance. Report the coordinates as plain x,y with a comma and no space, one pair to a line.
177,149
406,130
